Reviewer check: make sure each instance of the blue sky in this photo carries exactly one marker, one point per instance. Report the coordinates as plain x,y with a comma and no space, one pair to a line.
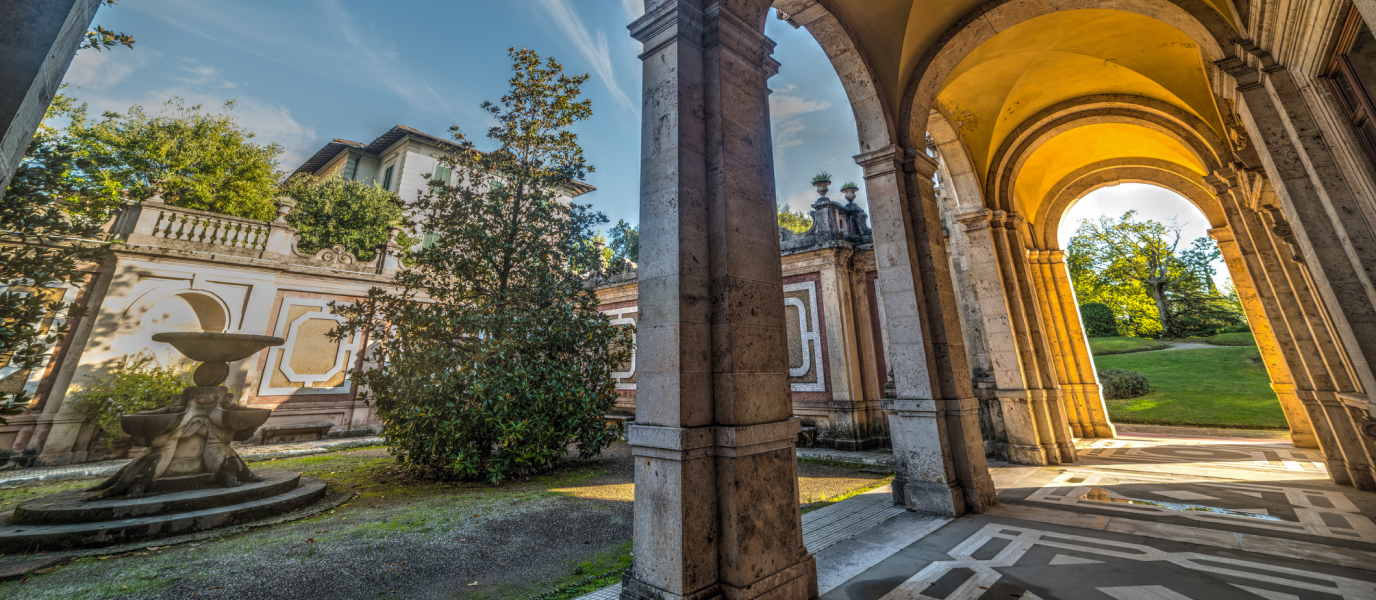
306,71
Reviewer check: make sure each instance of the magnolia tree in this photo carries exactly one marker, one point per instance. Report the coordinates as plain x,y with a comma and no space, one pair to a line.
491,359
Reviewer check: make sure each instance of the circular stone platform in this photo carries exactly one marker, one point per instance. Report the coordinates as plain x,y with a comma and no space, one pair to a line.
65,521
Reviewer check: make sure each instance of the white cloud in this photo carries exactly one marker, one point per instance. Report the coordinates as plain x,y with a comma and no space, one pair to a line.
634,8
103,70
333,44
591,44
786,109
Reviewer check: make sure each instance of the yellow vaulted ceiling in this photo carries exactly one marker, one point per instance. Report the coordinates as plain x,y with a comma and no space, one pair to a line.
897,33
1083,146
1067,55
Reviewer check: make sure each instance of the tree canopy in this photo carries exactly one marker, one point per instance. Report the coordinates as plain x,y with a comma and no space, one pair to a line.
491,358
199,160
1152,286
625,242
351,213
797,222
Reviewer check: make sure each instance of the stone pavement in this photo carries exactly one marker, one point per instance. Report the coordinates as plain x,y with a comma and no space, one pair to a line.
1136,518
15,477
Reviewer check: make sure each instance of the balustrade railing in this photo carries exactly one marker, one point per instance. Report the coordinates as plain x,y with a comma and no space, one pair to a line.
218,230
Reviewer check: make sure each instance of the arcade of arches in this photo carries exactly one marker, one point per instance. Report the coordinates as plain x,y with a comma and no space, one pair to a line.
979,124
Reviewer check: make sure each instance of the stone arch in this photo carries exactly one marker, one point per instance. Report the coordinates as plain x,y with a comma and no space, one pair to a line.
1208,148
1194,18
874,126
183,309
1080,183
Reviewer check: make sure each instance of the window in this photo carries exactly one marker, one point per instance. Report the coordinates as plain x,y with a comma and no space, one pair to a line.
429,239
443,173
387,178
1352,73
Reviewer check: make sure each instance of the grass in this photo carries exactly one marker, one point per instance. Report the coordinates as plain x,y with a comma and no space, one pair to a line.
1102,346
1232,339
1209,387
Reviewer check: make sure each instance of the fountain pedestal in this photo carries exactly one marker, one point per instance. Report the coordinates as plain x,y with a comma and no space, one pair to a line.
191,479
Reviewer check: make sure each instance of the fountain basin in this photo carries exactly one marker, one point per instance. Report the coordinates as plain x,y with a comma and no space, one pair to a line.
209,346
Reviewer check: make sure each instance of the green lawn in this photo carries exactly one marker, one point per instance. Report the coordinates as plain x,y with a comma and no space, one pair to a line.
1233,339
1214,387
1100,346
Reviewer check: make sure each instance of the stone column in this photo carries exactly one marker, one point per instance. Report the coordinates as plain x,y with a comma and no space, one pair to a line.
1301,428
1024,442
1062,290
38,39
716,495
1268,263
1337,240
1067,372
1058,438
934,420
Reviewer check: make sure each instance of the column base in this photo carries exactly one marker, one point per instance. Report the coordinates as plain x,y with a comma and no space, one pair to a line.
798,582
934,498
1027,455
1304,440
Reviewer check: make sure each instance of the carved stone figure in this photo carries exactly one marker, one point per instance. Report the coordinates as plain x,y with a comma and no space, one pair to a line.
189,440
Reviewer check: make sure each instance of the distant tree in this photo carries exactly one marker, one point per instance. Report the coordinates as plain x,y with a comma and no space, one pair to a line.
351,213
1098,320
1138,270
491,359
101,38
625,242
797,222
199,160
50,229
1128,250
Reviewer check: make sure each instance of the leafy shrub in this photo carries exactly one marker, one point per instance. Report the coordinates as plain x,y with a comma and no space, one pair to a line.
506,363
1118,384
346,212
135,384
822,176
1099,321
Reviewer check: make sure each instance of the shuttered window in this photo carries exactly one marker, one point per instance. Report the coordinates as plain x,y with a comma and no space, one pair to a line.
387,178
1352,73
443,173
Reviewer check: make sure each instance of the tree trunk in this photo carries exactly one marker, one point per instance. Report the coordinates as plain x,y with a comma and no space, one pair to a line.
1158,293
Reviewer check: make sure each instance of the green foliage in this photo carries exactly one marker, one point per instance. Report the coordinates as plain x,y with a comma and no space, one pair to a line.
51,221
797,222
625,242
491,358
199,160
1098,320
1101,346
850,185
1152,287
1210,387
135,384
820,177
351,213
1119,384
1233,339
101,39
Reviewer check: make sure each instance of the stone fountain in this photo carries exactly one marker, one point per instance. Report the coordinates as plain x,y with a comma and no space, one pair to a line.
191,479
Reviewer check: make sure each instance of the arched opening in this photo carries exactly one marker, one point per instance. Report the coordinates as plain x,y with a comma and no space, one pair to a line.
1204,370
186,311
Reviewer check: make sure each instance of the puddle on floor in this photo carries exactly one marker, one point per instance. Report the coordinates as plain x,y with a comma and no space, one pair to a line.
1098,494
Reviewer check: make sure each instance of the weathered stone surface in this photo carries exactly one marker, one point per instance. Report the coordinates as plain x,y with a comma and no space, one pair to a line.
16,539
72,507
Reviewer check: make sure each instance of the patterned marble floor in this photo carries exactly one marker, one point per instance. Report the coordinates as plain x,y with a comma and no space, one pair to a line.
1137,518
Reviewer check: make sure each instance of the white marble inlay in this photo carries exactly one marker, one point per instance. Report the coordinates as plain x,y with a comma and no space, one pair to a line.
1075,487
984,573
1066,559
1143,592
1184,495
1267,594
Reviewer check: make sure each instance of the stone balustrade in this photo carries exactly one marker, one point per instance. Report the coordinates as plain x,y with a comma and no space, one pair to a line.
156,225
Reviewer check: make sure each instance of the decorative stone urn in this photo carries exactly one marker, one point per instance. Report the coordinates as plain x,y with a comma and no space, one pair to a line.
189,440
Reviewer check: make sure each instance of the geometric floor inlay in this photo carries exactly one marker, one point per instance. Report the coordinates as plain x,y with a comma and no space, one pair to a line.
1269,457
1102,568
1320,512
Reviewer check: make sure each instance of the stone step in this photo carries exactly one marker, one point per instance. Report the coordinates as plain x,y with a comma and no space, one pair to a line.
16,539
71,507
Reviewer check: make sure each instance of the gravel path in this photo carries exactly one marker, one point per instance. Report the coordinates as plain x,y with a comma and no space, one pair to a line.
467,540
1185,346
